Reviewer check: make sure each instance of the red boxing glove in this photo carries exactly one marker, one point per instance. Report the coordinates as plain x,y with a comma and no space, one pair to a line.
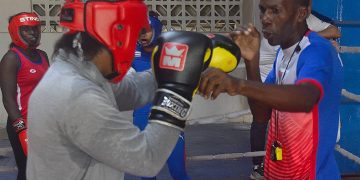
20,128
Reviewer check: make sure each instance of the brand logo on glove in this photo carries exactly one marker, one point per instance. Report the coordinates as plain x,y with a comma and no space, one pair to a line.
173,56
175,105
18,125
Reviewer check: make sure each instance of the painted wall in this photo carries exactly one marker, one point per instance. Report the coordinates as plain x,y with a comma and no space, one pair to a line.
347,10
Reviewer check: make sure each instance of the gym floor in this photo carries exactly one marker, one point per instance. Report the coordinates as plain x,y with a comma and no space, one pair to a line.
209,139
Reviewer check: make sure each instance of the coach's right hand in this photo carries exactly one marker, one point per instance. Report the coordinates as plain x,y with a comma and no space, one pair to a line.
248,40
178,60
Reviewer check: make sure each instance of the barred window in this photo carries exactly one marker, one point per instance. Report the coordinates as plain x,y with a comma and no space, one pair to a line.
198,15
191,15
48,11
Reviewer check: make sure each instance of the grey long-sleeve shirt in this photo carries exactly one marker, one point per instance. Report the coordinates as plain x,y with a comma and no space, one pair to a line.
76,129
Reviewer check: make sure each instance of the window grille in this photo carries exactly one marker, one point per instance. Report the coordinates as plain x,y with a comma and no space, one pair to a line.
191,15
198,15
48,11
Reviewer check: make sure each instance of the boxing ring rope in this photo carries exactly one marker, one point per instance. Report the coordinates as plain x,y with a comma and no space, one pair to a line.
350,96
4,153
226,156
347,154
349,49
346,23
232,156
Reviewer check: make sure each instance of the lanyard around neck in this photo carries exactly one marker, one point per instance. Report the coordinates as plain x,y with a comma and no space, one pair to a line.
280,82
297,49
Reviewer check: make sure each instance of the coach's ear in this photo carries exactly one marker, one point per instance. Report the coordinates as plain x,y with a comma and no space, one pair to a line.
303,13
309,7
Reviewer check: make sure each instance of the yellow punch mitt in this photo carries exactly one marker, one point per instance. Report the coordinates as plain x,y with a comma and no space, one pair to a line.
226,54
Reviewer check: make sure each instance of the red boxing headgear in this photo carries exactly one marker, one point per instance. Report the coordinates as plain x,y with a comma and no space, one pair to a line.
22,19
115,24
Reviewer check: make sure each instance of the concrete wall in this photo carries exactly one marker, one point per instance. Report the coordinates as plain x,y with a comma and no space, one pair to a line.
9,8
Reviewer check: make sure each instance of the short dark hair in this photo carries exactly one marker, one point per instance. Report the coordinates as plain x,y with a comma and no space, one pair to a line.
305,3
89,45
153,14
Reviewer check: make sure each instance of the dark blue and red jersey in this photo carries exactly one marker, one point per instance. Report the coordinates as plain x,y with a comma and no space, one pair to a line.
307,139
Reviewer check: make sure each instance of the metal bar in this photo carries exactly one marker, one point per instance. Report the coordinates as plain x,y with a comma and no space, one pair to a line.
351,96
347,22
226,156
230,156
347,154
349,49
8,169
5,151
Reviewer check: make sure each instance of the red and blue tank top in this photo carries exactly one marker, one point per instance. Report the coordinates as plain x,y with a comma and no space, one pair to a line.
29,75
